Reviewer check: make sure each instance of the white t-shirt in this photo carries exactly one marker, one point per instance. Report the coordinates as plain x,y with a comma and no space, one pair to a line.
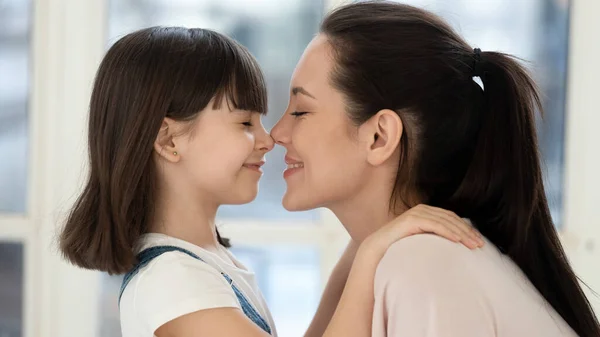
175,284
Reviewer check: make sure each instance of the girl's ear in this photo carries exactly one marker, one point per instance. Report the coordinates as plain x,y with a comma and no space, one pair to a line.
164,145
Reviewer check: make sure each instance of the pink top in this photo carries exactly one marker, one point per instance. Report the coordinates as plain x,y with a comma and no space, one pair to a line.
427,286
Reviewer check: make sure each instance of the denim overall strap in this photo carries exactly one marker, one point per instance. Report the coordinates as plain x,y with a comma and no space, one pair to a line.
248,308
151,253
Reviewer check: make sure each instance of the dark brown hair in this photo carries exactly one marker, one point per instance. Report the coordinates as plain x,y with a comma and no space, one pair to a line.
146,76
467,149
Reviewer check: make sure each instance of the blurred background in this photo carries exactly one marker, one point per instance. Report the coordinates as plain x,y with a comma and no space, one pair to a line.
49,51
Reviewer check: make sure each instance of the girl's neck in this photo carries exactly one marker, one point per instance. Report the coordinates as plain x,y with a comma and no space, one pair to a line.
186,218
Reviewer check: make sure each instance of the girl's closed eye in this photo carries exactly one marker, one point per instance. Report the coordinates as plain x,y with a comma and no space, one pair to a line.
248,124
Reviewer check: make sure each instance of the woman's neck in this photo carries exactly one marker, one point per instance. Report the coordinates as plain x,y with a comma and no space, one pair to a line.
365,212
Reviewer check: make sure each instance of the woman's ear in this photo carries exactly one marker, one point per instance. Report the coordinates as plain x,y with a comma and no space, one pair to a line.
164,145
381,135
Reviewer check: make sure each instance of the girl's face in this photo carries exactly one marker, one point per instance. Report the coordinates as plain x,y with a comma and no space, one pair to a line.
220,158
325,158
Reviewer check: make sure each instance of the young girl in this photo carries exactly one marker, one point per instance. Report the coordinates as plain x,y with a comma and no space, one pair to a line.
174,132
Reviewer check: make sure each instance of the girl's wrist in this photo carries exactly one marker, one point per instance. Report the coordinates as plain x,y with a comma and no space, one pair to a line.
369,253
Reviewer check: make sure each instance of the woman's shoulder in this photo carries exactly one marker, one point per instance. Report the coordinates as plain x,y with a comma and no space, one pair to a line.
426,258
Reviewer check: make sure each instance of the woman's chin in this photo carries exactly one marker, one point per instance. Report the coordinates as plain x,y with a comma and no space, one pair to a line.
296,203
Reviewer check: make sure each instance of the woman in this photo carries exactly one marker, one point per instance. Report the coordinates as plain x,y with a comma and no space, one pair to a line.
384,114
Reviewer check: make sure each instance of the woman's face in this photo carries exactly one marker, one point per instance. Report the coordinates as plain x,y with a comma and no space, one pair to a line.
324,155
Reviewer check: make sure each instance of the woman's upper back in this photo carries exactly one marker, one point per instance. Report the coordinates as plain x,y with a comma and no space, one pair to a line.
428,286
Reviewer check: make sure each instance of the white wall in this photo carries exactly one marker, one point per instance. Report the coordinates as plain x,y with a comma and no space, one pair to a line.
67,50
582,181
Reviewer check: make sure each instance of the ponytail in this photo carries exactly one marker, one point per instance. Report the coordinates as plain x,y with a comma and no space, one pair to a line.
505,159
504,189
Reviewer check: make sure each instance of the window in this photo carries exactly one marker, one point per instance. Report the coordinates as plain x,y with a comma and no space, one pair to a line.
47,64
15,27
14,88
11,289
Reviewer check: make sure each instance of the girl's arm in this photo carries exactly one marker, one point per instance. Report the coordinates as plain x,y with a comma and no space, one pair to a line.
333,292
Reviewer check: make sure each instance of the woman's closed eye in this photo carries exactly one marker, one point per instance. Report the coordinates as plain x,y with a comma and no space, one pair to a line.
298,113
